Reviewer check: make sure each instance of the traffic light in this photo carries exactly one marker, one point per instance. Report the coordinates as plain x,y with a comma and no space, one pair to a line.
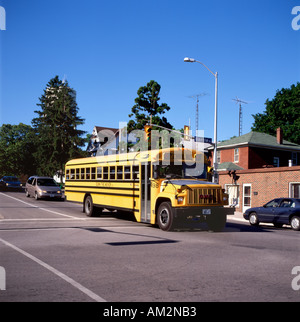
148,129
186,133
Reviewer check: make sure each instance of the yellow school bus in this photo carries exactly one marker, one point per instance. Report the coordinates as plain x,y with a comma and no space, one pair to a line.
167,187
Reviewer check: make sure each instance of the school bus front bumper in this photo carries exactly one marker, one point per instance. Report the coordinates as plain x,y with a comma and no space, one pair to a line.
185,215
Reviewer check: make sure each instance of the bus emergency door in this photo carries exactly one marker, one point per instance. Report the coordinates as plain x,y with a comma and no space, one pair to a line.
145,193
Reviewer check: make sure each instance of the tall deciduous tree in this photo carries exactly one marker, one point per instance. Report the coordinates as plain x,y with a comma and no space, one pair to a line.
282,111
17,146
147,108
56,126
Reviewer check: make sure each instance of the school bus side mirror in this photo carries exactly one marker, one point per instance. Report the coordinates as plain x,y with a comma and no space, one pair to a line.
155,172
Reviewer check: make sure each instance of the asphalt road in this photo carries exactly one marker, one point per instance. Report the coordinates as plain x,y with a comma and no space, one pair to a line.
49,251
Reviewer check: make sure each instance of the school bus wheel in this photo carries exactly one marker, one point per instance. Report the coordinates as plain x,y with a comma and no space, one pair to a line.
89,206
165,216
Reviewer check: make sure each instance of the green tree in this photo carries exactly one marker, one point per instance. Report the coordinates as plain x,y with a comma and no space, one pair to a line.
17,146
282,111
147,108
58,138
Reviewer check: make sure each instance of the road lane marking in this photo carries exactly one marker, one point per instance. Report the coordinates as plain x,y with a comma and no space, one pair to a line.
63,276
37,207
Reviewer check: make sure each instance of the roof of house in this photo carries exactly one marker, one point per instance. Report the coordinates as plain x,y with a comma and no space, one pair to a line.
226,166
260,140
101,128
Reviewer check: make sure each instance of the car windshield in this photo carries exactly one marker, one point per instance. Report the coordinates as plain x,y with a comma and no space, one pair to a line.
11,179
185,171
46,182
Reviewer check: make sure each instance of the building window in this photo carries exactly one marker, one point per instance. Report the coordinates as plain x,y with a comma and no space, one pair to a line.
294,190
276,162
236,155
294,158
219,156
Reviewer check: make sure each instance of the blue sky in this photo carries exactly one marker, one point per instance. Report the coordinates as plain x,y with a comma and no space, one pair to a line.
108,49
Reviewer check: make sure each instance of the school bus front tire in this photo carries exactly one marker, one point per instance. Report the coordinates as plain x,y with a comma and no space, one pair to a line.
165,216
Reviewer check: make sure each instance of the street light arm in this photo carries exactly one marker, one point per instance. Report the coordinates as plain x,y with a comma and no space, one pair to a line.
192,60
215,74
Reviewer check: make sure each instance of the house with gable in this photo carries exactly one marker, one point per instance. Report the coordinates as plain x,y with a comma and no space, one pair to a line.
257,167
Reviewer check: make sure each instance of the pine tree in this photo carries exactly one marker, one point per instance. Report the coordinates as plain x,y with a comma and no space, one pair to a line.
58,139
147,110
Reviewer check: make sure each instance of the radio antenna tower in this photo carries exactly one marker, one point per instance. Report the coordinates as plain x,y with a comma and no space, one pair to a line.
239,101
197,109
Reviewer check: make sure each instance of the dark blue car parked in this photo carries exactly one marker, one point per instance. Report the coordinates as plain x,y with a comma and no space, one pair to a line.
10,183
278,211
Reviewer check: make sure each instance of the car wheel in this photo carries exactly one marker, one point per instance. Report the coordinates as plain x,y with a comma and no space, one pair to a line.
253,219
27,194
165,216
295,223
36,196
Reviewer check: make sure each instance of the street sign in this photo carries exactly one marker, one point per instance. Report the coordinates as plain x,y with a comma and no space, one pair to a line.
203,140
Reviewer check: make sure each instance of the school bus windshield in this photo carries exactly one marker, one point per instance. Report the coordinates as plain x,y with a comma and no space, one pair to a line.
196,170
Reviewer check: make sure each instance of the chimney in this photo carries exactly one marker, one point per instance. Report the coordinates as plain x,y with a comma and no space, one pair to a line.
279,135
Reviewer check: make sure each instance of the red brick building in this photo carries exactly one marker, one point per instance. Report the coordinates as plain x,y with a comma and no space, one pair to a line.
256,167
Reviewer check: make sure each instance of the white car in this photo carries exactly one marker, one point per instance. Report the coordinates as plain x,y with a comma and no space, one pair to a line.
43,187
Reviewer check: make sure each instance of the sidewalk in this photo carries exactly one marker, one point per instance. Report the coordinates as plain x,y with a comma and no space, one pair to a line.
238,216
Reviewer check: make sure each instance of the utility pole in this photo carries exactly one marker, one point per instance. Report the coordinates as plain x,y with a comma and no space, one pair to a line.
197,109
238,101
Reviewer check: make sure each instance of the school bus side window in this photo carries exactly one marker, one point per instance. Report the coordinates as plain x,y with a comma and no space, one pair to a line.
68,174
72,174
88,173
82,174
99,173
119,172
127,173
105,173
93,174
77,174
112,173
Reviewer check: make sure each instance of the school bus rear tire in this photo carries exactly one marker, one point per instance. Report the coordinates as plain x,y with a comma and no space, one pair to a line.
165,216
89,206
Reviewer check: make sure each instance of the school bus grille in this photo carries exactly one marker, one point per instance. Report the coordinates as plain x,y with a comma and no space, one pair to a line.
204,196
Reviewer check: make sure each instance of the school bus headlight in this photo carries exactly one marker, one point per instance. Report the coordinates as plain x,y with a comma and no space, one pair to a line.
180,199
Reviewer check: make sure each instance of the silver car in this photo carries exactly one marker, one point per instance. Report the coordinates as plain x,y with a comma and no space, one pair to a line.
43,187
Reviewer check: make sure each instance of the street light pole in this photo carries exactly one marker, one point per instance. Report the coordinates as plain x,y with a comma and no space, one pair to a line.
215,161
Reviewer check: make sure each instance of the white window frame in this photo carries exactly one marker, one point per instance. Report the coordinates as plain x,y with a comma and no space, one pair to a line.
236,155
218,156
249,185
290,188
